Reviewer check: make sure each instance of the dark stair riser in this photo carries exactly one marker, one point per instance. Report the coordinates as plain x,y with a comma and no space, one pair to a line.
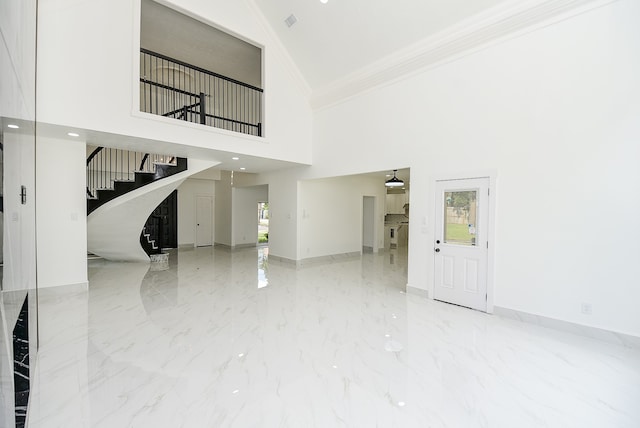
142,178
124,186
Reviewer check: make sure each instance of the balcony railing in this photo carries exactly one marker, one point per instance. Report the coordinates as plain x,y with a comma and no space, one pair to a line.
174,89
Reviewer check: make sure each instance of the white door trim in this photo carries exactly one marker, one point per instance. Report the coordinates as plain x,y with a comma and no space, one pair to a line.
492,176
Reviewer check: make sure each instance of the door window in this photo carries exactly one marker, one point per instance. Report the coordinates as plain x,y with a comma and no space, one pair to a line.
461,217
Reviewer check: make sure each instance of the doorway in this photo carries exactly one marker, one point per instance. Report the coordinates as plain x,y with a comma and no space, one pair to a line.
204,221
461,242
263,223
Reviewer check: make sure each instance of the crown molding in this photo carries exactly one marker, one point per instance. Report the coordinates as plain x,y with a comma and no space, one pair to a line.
497,24
281,51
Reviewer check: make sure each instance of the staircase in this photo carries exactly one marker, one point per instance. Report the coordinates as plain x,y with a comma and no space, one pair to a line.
123,189
114,172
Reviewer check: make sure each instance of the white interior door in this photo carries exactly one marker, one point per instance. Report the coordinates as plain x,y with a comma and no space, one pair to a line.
204,221
461,245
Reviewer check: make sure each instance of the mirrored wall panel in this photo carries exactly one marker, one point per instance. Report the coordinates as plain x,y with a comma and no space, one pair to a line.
18,292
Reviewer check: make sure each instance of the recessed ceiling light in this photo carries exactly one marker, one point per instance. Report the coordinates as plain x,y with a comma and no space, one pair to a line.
242,169
72,134
12,126
324,1
401,403
235,158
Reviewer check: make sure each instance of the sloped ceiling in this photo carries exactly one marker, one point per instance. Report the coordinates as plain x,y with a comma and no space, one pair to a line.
178,36
338,38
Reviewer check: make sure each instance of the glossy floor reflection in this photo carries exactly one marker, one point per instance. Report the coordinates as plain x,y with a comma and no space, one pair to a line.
232,339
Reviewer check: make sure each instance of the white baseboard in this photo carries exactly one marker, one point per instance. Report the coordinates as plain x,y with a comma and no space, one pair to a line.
63,289
312,261
235,247
417,291
328,259
579,329
240,246
281,259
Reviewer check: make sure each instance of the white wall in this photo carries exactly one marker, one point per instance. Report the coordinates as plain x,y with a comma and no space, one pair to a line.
187,194
555,114
62,212
88,78
283,214
245,213
369,222
222,206
330,214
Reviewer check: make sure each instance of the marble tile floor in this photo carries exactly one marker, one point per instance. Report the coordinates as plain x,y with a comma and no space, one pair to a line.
231,339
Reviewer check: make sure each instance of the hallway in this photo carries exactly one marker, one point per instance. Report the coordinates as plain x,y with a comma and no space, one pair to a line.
232,339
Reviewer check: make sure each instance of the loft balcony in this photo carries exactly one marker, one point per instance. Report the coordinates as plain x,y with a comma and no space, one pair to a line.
181,91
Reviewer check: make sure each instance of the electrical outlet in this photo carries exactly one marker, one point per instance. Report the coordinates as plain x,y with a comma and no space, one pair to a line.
586,308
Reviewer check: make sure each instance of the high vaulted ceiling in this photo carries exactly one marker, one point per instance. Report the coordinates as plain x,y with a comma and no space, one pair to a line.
171,33
341,37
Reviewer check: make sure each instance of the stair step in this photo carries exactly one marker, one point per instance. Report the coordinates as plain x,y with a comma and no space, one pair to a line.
144,177
124,185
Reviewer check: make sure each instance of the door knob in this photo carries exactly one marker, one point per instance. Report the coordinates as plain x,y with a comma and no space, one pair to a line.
438,241
437,250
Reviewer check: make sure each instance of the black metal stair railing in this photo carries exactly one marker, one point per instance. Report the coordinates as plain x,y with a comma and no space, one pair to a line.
113,172
178,90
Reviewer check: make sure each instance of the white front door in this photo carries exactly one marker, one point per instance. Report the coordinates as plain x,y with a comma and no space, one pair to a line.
461,246
204,221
